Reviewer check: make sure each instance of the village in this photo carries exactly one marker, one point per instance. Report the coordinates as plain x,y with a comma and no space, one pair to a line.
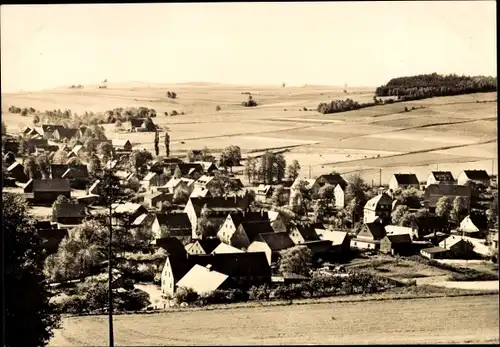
195,225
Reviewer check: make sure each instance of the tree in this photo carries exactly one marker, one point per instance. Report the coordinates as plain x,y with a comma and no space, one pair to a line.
217,108
206,155
30,318
4,128
272,167
286,215
325,203
250,169
181,195
90,146
356,197
177,173
157,142
457,209
303,198
60,157
443,207
9,158
43,164
205,228
296,260
221,186
106,150
36,119
138,160
118,125
94,164
230,156
31,168
492,212
293,170
280,197
403,217
167,144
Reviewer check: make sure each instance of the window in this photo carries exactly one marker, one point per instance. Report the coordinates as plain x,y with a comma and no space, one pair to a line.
355,243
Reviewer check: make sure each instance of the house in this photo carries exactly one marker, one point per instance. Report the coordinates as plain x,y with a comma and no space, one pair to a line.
78,175
252,231
208,166
175,225
61,134
128,211
319,248
151,180
370,235
205,181
479,177
77,151
158,199
122,145
203,246
69,213
225,248
50,239
215,209
189,170
271,244
379,206
203,279
200,192
178,183
440,177
97,188
36,144
339,193
457,247
434,192
434,252
340,240
142,124
49,129
288,278
45,192
172,246
474,225
403,181
303,233
332,179
58,170
310,184
398,230
9,144
229,232
435,238
25,130
399,244
277,222
263,192
430,224
176,266
16,171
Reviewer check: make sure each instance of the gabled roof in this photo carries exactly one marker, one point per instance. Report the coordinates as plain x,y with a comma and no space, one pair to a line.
202,279
433,250
172,246
173,182
373,230
276,241
178,224
50,128
263,189
37,143
336,237
51,185
251,264
206,165
67,133
225,248
451,241
399,238
334,180
204,180
57,170
145,219
14,165
69,210
76,171
406,179
200,192
187,168
94,188
77,148
374,202
447,190
443,176
180,266
479,175
318,246
307,232
127,207
480,221
249,217
397,230
44,224
254,229
310,182
209,244
150,176
120,142
220,203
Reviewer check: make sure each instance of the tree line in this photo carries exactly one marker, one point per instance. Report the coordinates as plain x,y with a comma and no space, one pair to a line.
431,85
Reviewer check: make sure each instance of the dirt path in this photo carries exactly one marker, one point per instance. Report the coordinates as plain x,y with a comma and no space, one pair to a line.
436,320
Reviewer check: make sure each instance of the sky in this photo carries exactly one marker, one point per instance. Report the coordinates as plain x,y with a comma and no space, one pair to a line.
330,43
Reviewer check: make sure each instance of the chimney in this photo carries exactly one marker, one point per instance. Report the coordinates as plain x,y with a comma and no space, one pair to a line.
209,267
262,212
235,199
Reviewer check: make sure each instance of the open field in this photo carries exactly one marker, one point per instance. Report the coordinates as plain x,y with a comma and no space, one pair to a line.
429,320
453,132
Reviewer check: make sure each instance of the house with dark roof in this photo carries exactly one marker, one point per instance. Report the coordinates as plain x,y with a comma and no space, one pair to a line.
333,179
379,206
128,212
396,244
430,224
142,124
176,266
435,252
319,248
403,181
208,166
479,177
474,225
203,246
45,192
48,130
35,145
78,175
69,213
370,236
440,177
434,192
152,179
341,242
61,134
264,192
303,233
50,239
252,231
175,225
97,188
189,170
16,171
172,246
229,232
158,199
271,244
225,248
122,145
457,247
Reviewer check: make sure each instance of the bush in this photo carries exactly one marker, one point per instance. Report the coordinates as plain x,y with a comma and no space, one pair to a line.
166,113
174,113
73,304
305,108
217,108
133,300
259,293
187,295
288,292
473,276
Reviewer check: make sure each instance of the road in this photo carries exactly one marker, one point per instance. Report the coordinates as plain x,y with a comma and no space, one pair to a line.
473,319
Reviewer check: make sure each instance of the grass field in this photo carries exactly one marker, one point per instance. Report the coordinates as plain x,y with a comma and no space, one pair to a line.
452,132
431,320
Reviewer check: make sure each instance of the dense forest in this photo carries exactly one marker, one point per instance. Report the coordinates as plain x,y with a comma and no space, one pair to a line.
431,85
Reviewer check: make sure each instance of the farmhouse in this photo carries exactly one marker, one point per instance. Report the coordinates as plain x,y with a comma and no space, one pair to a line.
208,166
189,170
49,129
457,247
370,235
151,180
142,124
50,238
403,181
129,211
203,246
435,191
440,177
45,192
339,193
479,177
200,192
263,192
396,244
276,222
229,232
434,252
78,176
122,145
398,230
175,225
379,206
225,248
271,244
69,213
176,266
432,224
178,183
203,279
158,199
318,248
16,171
332,179
340,240
36,145
474,225
61,134
303,233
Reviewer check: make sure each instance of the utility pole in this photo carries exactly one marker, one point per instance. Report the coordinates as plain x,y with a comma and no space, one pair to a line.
110,268
309,171
380,177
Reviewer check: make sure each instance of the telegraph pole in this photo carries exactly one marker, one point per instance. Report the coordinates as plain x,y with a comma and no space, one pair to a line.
309,171
380,177
110,268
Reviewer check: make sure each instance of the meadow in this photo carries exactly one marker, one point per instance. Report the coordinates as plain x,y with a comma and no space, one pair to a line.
450,133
